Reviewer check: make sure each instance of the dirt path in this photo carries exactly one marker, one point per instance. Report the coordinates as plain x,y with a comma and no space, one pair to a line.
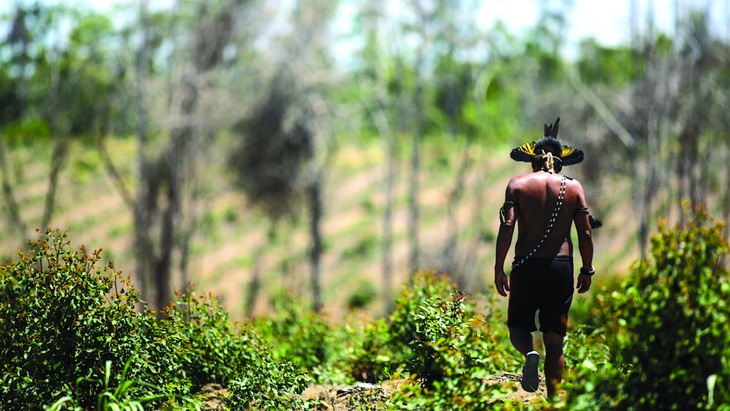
342,398
345,398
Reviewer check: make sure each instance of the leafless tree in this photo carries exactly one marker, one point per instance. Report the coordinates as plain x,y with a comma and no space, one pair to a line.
284,149
168,178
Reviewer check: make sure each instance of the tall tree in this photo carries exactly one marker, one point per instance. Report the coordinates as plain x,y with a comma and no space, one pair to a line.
379,106
284,151
423,12
167,178
698,74
61,69
308,46
456,71
662,109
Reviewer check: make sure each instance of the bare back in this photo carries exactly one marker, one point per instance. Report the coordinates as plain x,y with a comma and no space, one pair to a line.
535,196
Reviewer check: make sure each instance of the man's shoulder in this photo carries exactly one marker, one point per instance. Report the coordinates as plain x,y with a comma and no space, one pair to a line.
516,181
573,180
525,178
522,177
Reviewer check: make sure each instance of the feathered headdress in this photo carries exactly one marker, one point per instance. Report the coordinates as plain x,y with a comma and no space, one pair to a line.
550,146
535,150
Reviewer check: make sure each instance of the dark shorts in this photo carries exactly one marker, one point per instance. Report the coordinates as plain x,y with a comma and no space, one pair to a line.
544,284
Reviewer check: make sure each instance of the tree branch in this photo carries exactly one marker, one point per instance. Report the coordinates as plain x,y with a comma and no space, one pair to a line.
601,108
113,172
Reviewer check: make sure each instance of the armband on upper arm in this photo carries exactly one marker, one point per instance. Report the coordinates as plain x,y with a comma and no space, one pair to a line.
581,210
594,222
503,210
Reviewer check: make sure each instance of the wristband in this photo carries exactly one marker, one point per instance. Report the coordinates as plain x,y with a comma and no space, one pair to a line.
587,272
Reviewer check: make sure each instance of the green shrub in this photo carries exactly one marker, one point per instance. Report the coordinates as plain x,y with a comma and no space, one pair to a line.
67,329
209,347
267,384
370,358
299,335
669,331
452,350
128,395
404,322
364,295
61,318
214,350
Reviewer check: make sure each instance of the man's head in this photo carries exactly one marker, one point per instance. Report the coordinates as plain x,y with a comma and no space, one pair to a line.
548,153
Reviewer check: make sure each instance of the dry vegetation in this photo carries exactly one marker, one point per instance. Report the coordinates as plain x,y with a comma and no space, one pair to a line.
231,236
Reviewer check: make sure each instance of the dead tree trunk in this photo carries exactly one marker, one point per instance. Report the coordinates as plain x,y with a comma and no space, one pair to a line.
165,197
142,245
383,126
417,131
58,156
13,210
314,191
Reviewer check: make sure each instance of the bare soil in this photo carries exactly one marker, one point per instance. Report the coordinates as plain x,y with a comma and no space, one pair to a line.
345,398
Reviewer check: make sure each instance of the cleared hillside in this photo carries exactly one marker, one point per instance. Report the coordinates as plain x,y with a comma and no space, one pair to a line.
234,241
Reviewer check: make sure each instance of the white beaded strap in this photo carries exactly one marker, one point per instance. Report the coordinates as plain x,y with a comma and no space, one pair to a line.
551,223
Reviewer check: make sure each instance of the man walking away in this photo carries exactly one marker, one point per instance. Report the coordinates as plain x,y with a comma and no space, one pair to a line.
544,205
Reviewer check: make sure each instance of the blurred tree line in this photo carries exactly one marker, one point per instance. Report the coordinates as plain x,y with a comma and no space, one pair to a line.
264,80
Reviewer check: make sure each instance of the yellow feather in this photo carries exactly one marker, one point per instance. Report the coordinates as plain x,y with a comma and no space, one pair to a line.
527,148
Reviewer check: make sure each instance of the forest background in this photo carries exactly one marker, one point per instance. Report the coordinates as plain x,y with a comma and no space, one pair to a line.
226,144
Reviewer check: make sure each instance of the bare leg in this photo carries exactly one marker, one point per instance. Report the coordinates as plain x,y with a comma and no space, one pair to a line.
521,339
554,362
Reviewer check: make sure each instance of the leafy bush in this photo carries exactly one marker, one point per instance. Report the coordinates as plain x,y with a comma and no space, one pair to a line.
370,358
213,350
208,346
267,384
670,329
67,329
404,321
128,395
453,350
301,336
61,319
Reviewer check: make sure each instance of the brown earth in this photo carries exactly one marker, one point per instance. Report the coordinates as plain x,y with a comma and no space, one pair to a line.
345,398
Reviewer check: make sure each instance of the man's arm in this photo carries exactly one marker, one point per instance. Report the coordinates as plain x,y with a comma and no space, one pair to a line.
508,218
585,240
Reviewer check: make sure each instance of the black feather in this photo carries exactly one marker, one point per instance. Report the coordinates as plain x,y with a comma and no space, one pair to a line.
595,223
555,128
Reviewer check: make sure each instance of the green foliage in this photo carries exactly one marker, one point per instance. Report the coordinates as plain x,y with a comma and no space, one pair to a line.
268,385
404,321
210,349
66,328
438,322
26,131
452,350
122,397
299,335
607,65
370,358
671,338
64,72
213,350
364,295
60,316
